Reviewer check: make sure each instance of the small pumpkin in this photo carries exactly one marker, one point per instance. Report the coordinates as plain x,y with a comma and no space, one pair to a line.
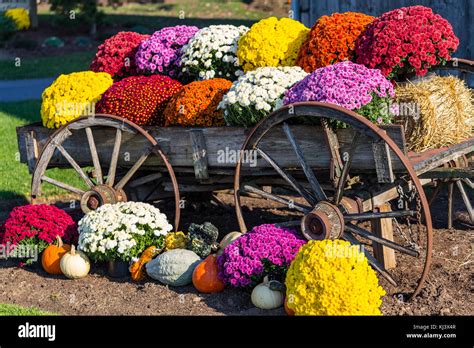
229,238
205,277
75,264
51,258
137,269
176,240
264,297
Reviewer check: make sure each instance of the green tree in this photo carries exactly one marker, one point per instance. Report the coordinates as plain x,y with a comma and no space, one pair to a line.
84,11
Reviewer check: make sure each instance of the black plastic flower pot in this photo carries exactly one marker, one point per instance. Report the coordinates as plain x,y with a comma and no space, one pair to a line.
117,269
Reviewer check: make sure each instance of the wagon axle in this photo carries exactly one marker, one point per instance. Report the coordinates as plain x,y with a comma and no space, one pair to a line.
100,195
326,220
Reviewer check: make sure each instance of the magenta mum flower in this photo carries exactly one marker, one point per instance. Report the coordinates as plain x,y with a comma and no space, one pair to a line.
266,250
161,53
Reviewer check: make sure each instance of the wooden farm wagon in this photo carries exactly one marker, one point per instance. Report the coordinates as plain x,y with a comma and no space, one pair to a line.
358,183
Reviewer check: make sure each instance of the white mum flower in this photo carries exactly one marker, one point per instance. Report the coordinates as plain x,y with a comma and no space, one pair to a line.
260,90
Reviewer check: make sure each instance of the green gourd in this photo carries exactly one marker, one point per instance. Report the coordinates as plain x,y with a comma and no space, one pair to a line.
202,239
174,267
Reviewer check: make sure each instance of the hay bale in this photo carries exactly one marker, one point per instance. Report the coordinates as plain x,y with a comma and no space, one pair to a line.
436,112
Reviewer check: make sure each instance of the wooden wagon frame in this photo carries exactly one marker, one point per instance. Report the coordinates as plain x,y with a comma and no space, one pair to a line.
339,180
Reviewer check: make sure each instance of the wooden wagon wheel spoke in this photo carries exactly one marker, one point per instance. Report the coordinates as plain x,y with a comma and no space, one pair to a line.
316,187
62,185
388,243
345,170
382,215
361,190
114,159
95,156
133,170
288,177
466,200
275,198
288,223
74,164
372,261
102,190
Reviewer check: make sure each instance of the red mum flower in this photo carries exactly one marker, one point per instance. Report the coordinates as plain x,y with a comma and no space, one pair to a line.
140,99
116,55
41,222
425,39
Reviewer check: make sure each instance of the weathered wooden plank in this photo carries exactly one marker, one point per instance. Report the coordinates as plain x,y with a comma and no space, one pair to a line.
31,147
384,228
335,167
430,159
383,162
449,173
386,194
198,143
177,146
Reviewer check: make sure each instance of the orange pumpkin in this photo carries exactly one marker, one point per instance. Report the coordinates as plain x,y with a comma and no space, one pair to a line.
288,310
52,256
136,269
205,277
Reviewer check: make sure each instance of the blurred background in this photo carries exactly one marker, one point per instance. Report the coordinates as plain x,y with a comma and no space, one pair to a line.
64,34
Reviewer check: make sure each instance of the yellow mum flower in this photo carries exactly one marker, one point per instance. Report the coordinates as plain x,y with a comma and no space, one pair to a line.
332,277
20,16
71,96
271,42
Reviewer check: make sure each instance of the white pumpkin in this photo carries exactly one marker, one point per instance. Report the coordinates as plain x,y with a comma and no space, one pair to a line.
265,298
229,238
75,264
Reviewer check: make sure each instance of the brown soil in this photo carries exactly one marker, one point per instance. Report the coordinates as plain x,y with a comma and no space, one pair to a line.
446,292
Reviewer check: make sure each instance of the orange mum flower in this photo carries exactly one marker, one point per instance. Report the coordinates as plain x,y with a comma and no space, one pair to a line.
332,39
196,104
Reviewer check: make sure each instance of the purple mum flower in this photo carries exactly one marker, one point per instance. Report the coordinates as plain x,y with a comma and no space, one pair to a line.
345,84
247,254
161,52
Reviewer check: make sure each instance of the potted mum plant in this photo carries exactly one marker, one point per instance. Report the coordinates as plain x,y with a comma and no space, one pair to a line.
29,229
406,42
118,233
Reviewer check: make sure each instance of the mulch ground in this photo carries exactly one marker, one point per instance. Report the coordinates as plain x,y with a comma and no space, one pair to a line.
448,290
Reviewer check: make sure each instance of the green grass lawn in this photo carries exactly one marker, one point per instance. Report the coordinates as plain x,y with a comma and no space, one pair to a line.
49,66
8,309
15,180
204,9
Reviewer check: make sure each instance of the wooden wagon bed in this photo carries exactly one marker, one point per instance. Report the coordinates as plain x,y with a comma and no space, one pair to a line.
180,145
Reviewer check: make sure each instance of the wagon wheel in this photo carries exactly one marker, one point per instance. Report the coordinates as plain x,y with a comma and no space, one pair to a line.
464,69
101,187
461,66
341,208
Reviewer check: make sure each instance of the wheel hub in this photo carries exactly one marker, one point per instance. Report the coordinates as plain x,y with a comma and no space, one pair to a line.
325,221
100,195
